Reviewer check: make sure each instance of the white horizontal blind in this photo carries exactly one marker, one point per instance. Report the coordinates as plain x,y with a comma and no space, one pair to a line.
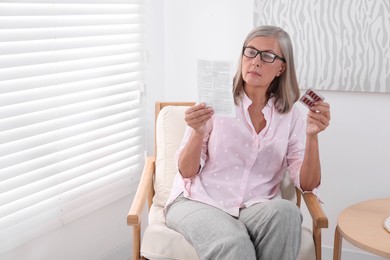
71,120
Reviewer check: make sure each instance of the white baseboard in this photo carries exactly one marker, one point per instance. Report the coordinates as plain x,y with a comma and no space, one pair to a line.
121,252
327,254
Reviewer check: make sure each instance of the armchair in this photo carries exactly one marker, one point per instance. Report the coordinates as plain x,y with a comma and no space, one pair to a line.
160,242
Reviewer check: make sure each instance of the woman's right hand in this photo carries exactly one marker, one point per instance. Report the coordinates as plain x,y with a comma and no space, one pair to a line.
197,116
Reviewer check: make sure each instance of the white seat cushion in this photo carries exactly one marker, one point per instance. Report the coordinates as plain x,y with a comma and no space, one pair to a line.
158,241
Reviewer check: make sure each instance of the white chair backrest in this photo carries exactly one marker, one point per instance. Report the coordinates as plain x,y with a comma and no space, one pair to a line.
170,126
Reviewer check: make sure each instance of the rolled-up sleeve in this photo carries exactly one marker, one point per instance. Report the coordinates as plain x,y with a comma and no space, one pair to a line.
203,155
296,151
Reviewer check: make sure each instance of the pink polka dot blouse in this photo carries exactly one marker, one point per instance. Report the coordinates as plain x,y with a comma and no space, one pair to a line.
240,167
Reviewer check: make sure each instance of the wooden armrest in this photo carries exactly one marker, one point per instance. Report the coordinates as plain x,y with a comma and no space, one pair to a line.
313,205
145,183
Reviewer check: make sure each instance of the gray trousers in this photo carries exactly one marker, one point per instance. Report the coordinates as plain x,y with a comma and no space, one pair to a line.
266,231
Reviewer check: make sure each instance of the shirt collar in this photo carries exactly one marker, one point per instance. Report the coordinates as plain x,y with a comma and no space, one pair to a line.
246,101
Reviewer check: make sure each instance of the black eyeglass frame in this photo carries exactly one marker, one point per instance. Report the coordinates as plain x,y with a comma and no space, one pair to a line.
260,53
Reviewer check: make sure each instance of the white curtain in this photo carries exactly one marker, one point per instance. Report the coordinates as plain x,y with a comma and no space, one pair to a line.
71,116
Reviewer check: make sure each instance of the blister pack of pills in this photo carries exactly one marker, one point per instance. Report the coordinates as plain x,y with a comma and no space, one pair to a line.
310,97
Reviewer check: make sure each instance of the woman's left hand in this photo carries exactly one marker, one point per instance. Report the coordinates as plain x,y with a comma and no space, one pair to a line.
318,118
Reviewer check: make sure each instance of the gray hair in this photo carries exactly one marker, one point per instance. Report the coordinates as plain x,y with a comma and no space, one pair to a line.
284,88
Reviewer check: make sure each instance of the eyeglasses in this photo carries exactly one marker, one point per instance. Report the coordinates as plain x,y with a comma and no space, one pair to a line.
265,56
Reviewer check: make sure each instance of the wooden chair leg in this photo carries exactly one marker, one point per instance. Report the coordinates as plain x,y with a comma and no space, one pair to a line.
318,242
136,241
337,244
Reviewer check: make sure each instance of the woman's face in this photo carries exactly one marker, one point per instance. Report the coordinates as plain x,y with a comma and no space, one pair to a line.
256,72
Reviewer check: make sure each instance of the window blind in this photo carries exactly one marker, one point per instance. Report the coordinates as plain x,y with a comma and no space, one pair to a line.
71,116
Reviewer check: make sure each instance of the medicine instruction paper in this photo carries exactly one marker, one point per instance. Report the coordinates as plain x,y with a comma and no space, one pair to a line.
215,86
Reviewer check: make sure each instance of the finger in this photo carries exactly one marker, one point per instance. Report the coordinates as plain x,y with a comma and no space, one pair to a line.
318,119
320,105
203,118
199,123
317,127
199,119
195,108
322,108
194,114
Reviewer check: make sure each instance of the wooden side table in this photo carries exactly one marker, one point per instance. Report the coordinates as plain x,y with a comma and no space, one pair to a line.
362,225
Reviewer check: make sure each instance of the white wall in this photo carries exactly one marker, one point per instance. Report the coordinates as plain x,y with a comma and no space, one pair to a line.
355,160
155,67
